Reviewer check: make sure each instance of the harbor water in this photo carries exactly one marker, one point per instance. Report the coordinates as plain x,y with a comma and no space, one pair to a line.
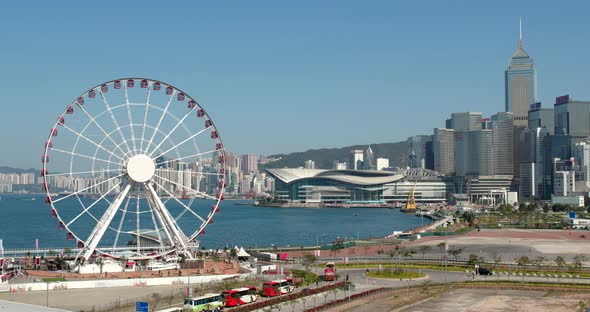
26,218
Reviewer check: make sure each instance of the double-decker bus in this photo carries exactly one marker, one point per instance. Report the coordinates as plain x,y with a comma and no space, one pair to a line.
239,296
330,271
277,287
205,302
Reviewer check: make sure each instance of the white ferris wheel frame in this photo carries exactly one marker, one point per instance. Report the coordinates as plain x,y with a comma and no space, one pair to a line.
125,150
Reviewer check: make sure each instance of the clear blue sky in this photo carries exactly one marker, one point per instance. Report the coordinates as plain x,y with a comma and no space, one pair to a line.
284,76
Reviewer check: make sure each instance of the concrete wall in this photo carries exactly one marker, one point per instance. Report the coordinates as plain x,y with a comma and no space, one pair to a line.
135,282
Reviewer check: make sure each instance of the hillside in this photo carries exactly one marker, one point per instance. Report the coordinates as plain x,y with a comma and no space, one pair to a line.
17,170
396,152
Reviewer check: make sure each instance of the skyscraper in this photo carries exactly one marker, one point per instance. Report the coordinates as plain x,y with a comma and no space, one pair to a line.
572,117
520,84
444,150
357,160
369,159
503,143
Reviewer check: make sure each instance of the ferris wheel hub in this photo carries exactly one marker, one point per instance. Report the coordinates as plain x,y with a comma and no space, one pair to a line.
141,168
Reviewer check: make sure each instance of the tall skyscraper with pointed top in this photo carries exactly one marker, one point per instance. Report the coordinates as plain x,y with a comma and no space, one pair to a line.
521,84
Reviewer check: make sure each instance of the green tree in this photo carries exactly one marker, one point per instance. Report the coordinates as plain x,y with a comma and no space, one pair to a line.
523,261
577,262
497,259
100,262
67,251
441,245
455,253
379,253
407,253
309,260
337,246
233,253
473,259
560,262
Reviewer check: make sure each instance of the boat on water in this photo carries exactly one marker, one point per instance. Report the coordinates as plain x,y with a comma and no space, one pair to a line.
358,204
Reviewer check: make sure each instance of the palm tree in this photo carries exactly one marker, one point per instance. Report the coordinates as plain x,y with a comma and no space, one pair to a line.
423,250
441,245
100,262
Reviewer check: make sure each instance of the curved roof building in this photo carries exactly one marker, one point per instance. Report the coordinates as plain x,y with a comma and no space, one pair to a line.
318,185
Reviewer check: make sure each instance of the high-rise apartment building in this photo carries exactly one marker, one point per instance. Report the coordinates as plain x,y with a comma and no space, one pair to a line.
249,163
520,85
382,163
309,164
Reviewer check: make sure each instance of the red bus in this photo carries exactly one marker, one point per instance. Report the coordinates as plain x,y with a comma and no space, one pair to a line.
330,271
239,296
277,287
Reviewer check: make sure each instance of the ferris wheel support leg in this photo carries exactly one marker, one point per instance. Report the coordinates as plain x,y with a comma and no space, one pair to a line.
160,218
103,223
179,239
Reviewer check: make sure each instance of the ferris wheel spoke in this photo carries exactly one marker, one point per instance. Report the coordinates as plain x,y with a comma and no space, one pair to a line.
104,222
107,135
91,142
145,114
161,118
86,209
130,119
185,157
179,144
187,208
109,109
172,131
84,156
201,194
81,172
87,188
121,222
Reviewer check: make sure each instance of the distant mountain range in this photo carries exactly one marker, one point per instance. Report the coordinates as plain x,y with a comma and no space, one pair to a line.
17,170
396,152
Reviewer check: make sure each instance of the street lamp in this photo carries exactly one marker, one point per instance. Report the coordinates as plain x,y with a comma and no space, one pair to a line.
317,237
446,249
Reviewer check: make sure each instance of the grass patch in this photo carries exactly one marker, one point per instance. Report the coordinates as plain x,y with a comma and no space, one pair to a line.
402,266
308,277
397,273
53,279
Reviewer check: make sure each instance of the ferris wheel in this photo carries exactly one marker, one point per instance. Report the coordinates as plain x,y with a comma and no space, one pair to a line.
133,169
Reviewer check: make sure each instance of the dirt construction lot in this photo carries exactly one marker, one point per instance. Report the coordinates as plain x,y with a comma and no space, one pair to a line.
488,300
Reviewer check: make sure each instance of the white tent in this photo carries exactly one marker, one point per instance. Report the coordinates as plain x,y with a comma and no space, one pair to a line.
242,253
